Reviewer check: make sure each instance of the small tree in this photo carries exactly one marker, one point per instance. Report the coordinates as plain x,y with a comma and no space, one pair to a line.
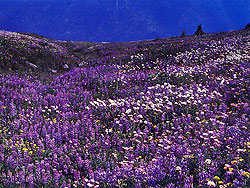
199,31
183,33
247,26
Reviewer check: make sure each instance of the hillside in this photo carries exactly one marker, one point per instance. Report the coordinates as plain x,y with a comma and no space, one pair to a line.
168,112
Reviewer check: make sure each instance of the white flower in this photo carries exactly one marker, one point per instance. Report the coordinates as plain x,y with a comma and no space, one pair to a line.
140,116
208,161
240,150
211,183
128,111
178,168
90,185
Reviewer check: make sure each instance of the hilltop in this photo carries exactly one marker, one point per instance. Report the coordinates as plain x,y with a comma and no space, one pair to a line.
31,52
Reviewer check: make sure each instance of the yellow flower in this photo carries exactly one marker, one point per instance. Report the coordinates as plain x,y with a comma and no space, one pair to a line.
247,174
54,120
230,169
233,162
4,106
220,182
241,160
30,152
25,149
216,177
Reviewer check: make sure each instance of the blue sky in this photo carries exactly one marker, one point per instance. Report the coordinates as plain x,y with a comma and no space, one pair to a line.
121,20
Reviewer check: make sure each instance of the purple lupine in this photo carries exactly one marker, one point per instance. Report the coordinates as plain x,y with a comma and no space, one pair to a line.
30,180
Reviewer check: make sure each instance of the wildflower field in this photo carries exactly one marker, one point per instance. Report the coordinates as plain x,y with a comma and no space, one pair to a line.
171,112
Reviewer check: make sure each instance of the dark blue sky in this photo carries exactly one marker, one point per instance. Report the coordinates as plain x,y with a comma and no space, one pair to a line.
121,20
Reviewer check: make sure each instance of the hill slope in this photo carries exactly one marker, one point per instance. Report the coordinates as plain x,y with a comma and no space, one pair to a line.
30,52
172,112
26,52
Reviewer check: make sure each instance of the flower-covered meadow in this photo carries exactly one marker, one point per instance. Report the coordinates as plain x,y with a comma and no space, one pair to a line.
163,113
